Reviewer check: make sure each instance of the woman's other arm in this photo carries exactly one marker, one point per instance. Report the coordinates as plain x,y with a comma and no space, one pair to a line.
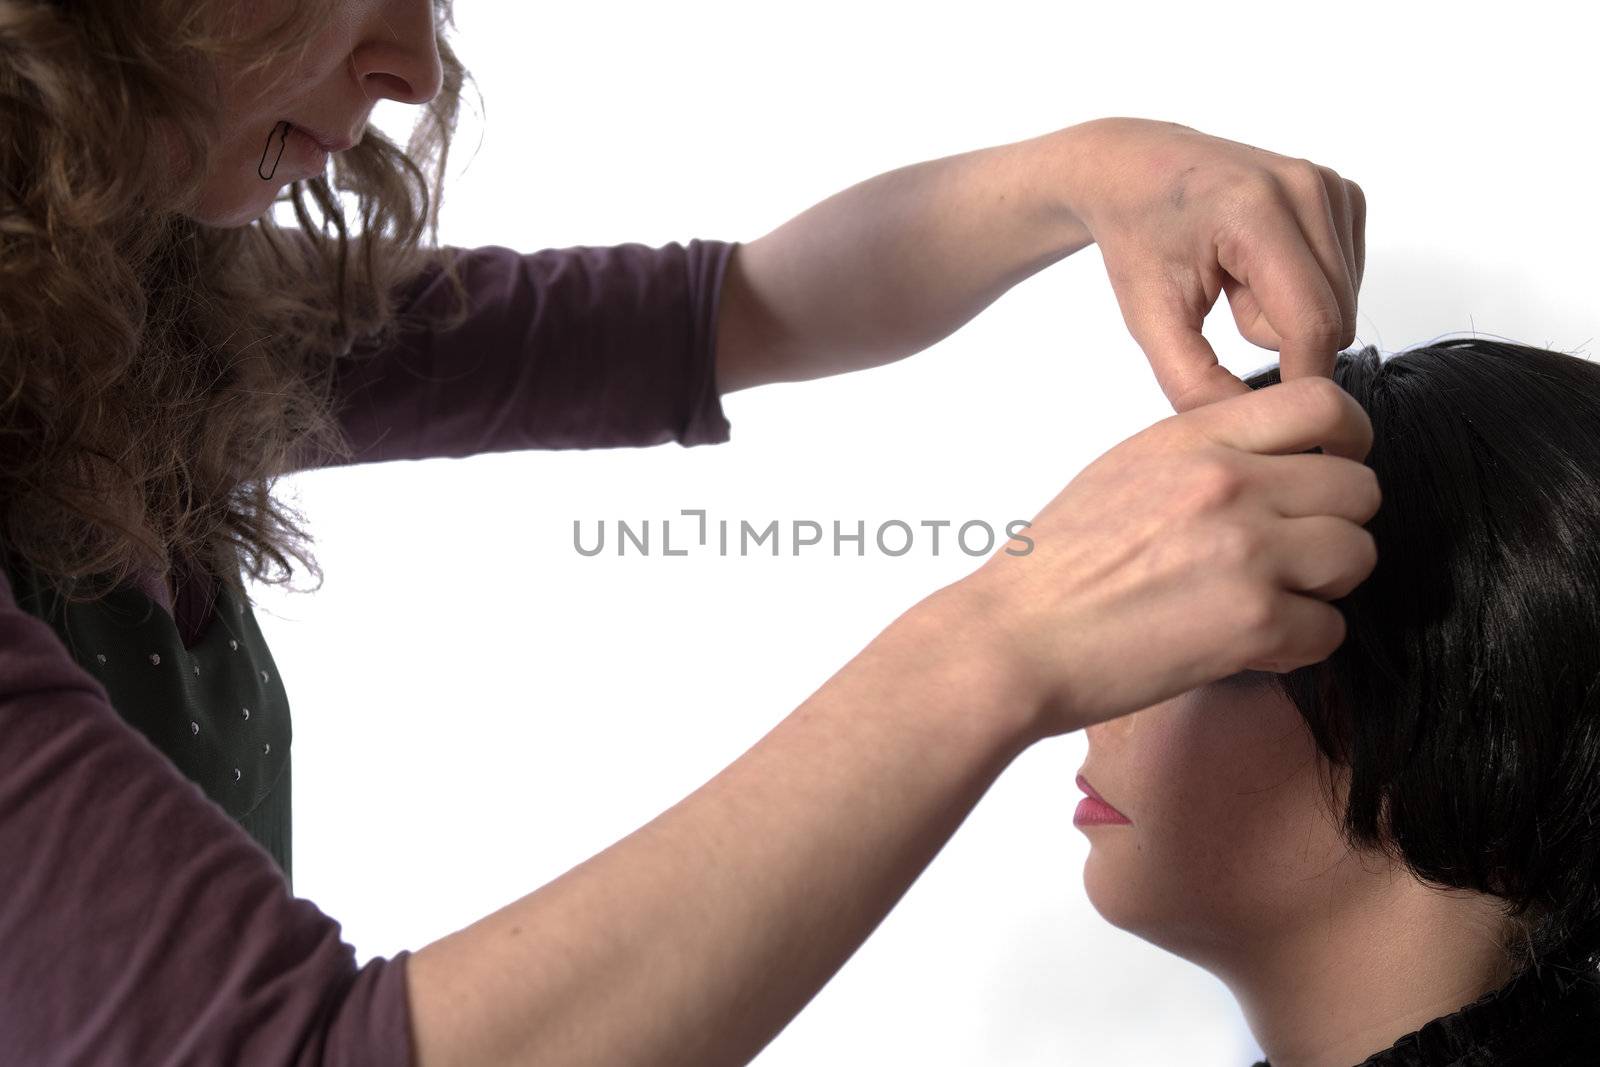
898,262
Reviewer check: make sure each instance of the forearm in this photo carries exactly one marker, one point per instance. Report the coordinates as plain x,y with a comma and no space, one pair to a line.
698,937
896,263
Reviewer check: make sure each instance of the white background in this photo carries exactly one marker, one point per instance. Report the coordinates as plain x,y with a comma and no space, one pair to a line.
478,708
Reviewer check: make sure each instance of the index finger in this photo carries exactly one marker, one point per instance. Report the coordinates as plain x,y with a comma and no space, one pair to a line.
1291,286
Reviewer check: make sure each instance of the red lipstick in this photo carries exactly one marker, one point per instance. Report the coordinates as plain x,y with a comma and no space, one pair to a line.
1093,809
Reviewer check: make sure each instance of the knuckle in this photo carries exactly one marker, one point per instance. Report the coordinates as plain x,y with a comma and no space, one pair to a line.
1215,481
1358,199
1303,180
1304,174
1254,186
1257,616
1325,326
1235,545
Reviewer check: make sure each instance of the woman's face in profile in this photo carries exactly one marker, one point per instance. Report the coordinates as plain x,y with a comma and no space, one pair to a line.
1232,846
366,50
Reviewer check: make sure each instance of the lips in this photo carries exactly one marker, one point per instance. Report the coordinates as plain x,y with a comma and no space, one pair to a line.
330,143
1083,784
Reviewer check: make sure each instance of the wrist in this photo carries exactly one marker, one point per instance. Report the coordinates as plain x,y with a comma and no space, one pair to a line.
1066,163
952,637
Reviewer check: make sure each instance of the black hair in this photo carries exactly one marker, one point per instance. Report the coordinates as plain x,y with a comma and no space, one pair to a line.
1463,700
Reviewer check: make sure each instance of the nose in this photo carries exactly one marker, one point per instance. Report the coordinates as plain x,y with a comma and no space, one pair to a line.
398,58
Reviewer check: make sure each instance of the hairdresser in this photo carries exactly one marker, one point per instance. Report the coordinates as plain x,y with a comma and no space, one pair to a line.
164,345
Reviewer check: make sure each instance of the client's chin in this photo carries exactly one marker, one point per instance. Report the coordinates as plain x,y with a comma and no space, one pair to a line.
1207,928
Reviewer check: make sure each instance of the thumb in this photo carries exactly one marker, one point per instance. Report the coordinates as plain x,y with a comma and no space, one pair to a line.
1165,319
1186,367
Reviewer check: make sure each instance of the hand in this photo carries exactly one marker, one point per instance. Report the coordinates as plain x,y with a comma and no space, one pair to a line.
1203,545
1179,215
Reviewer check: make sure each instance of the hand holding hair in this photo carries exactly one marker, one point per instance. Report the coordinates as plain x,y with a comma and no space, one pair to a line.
896,263
1180,215
1205,544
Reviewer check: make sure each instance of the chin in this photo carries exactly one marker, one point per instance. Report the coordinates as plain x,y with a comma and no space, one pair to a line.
1129,897
1173,916
234,207
1111,890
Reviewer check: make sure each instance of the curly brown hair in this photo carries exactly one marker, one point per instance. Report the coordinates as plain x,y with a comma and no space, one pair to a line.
158,374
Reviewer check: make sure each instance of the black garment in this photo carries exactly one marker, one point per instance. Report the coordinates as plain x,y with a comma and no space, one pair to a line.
1547,1016
216,708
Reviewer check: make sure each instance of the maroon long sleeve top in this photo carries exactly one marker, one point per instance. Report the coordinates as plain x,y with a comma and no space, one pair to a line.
121,942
